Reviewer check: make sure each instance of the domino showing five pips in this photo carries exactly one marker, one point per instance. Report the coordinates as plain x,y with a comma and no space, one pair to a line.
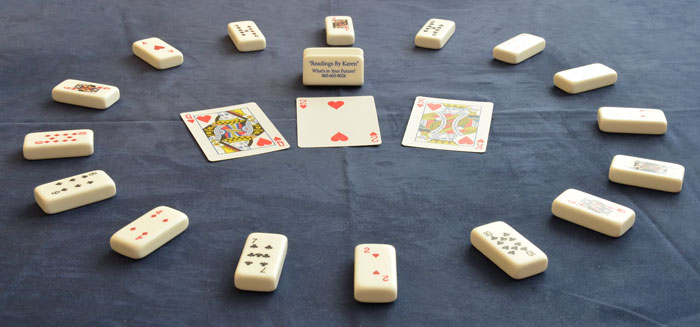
375,276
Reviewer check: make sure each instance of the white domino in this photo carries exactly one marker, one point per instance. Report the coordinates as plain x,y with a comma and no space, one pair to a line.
593,212
519,48
647,173
585,78
157,53
86,94
261,262
58,144
435,33
632,120
340,30
149,232
74,191
333,66
375,273
509,250
246,36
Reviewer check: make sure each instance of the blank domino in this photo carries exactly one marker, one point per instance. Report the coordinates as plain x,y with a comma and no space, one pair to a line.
435,33
585,78
58,144
261,262
593,212
647,173
149,232
509,250
519,48
333,66
74,191
246,36
340,30
86,94
375,273
631,120
157,53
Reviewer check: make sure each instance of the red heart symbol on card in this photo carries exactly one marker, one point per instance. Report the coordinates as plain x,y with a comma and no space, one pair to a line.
434,106
190,120
339,137
303,106
376,272
157,47
264,142
204,118
336,104
375,254
465,140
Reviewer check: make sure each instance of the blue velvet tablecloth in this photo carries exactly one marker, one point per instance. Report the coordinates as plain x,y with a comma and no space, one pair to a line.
59,269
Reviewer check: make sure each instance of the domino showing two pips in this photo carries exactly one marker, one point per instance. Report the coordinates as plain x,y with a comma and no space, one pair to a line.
632,120
375,273
149,232
74,191
58,144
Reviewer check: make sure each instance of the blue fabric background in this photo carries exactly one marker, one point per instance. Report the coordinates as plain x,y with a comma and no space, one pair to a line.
59,269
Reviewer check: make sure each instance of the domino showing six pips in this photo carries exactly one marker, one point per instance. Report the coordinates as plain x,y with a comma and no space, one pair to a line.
375,278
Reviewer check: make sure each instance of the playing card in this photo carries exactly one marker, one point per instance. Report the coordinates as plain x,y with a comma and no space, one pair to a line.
337,121
233,132
445,124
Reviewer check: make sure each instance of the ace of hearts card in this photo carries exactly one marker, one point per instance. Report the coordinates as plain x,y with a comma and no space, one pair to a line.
337,122
233,132
445,124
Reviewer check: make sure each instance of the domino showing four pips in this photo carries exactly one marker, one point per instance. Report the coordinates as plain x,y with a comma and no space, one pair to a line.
149,232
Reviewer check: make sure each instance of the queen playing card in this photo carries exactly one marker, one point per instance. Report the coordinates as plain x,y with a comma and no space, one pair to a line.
445,124
233,132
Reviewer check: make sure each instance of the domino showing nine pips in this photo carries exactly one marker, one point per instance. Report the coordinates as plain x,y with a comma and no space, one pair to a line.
375,267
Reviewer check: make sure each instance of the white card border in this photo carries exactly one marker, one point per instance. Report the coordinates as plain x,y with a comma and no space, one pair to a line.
416,114
205,144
